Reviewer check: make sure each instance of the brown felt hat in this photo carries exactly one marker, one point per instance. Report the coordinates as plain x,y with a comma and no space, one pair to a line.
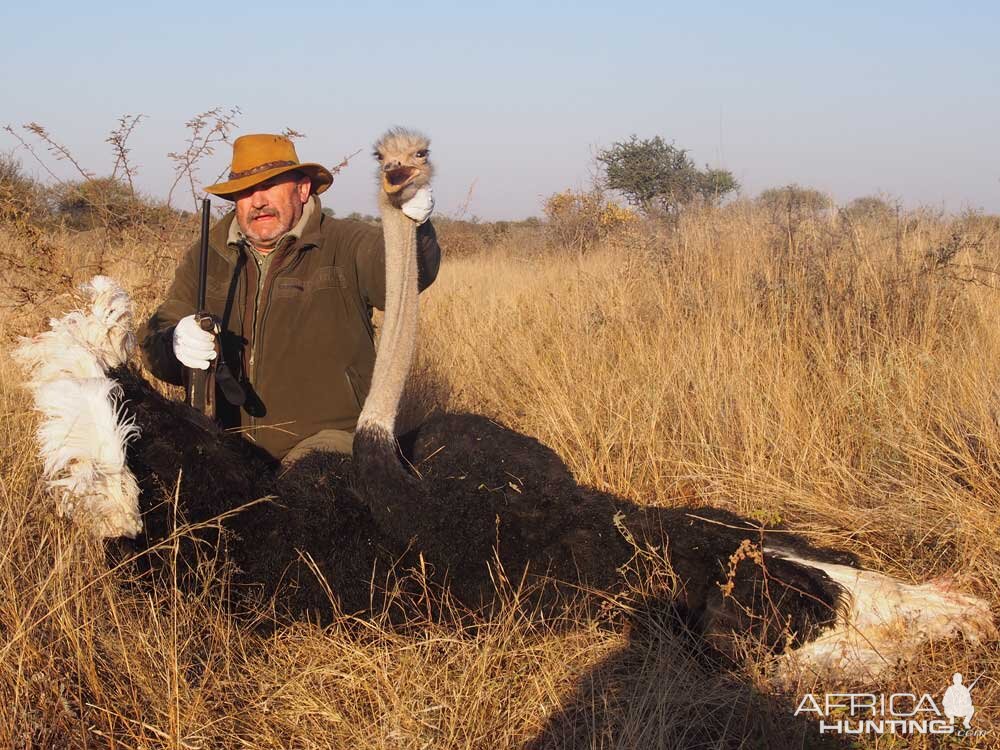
257,158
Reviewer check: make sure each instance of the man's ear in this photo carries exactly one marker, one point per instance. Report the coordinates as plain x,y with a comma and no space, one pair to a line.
304,187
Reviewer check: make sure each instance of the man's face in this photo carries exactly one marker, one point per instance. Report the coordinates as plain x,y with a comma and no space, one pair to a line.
268,210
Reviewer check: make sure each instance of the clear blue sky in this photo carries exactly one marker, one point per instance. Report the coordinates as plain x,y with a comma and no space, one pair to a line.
848,98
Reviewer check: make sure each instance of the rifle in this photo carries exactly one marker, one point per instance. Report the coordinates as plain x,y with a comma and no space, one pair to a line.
200,391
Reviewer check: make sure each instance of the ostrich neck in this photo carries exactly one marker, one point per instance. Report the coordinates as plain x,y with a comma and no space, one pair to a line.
399,327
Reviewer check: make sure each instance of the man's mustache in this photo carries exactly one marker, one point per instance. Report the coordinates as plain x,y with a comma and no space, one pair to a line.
256,213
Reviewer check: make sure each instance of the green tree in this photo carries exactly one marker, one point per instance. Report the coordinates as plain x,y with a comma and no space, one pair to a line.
869,207
653,174
716,184
794,200
793,206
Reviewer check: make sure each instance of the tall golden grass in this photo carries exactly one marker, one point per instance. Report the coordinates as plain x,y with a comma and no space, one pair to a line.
834,376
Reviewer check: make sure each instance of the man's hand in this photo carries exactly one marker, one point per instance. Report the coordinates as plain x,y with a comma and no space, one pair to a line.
193,347
419,207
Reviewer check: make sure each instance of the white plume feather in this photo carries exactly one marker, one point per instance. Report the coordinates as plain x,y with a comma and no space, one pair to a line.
83,435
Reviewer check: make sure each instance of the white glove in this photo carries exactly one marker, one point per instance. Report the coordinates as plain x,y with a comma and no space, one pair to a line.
419,207
193,346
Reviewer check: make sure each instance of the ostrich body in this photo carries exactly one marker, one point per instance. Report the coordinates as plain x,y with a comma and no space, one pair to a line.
327,534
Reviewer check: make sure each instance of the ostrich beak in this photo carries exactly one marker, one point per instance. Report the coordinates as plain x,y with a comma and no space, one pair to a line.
397,178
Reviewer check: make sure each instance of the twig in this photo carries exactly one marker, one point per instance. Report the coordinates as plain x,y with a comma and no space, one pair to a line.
34,155
119,139
460,213
201,145
338,168
60,152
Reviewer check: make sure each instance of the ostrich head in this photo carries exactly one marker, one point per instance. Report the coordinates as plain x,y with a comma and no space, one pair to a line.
403,164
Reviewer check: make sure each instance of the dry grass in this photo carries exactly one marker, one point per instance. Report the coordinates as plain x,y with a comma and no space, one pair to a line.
839,379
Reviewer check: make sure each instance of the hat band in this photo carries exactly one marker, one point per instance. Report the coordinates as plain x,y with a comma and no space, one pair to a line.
261,168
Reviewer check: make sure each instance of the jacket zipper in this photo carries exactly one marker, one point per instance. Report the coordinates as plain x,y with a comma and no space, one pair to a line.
260,316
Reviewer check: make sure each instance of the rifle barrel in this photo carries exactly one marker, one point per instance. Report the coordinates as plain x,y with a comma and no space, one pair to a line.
206,215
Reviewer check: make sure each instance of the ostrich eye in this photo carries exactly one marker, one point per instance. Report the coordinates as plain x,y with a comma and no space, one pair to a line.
377,155
422,153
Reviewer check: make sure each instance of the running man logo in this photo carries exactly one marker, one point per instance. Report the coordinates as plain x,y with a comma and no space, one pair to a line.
895,713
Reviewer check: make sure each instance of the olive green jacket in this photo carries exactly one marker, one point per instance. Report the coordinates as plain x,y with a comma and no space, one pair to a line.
304,352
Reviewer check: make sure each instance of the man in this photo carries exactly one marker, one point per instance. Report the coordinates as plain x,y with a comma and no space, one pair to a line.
292,290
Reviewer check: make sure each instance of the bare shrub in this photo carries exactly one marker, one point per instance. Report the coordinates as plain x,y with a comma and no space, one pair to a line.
22,198
579,220
463,238
95,203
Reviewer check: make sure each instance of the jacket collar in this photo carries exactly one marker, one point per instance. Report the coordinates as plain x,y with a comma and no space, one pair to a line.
312,234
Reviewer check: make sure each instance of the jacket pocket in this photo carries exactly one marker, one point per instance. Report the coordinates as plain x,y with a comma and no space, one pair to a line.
326,277
288,288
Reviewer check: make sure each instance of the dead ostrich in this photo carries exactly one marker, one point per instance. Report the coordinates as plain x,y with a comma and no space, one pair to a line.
490,505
